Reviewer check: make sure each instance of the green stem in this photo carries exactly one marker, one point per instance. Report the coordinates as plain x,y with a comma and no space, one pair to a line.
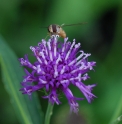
48,113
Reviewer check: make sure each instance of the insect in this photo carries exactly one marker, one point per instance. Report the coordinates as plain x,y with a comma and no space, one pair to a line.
57,30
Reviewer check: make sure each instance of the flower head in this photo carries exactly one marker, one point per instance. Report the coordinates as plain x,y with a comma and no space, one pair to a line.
57,66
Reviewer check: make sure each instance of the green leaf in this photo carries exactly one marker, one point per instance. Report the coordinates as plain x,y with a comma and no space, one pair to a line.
28,111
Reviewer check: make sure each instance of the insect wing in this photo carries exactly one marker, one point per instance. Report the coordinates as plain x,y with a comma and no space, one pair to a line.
82,23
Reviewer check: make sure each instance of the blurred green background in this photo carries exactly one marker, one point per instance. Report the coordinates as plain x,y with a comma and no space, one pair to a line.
20,26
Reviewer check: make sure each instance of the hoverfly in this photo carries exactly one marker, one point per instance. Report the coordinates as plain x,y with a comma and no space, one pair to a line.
56,30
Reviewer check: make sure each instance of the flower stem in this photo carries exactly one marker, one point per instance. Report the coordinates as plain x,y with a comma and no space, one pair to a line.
48,113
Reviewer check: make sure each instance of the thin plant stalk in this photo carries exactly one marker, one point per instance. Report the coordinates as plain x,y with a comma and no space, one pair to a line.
48,113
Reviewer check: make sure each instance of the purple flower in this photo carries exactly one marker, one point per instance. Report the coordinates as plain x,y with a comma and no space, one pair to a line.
57,66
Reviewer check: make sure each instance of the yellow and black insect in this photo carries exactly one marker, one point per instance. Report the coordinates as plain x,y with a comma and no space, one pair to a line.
56,30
